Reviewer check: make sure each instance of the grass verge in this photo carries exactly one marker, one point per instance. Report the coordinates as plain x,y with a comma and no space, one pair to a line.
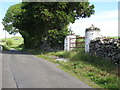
94,71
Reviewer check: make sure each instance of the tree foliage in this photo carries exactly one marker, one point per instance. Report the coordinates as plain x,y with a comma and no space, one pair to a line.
39,21
9,18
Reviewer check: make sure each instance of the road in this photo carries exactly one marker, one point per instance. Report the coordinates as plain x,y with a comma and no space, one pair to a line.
22,70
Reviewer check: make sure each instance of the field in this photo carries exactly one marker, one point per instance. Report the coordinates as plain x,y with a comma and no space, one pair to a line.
12,43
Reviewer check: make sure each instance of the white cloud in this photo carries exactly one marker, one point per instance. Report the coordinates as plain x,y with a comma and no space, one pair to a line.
106,21
10,0
1,31
104,0
107,15
4,34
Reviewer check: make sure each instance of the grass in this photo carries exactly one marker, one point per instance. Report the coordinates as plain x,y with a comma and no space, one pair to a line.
80,42
92,70
112,37
13,42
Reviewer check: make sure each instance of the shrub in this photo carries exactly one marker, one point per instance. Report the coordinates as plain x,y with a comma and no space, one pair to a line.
9,43
5,47
3,40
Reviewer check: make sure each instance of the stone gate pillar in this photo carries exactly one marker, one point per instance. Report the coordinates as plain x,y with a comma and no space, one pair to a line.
67,42
90,34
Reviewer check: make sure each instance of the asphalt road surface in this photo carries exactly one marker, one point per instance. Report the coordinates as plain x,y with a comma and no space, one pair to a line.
22,70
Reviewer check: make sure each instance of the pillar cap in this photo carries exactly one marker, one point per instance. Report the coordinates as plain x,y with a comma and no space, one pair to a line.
92,28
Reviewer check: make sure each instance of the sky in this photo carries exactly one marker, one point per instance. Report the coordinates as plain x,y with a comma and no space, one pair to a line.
105,18
4,5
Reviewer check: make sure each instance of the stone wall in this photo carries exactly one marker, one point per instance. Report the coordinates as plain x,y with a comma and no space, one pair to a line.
106,47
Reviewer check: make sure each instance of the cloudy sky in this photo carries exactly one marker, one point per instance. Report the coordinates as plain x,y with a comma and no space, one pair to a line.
105,17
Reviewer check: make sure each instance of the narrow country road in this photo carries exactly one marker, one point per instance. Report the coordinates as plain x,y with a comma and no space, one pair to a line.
22,70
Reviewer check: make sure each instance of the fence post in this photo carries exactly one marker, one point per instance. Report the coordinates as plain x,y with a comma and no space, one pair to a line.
90,34
67,42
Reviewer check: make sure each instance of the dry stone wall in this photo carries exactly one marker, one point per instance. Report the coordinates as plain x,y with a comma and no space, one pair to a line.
106,47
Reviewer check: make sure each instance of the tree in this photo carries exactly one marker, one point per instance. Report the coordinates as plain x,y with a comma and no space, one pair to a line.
9,18
56,38
41,21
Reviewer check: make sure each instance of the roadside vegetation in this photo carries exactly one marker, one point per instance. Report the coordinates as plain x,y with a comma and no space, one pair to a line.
12,43
94,71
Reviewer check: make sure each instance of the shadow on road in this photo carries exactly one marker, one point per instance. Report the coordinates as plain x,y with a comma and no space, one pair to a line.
16,52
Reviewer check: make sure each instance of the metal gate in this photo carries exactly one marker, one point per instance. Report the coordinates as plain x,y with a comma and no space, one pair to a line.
79,42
